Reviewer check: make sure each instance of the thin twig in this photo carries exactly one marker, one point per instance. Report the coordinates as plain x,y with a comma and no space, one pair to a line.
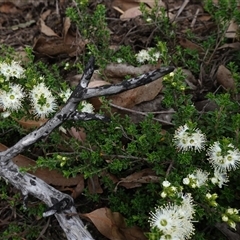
140,113
195,18
181,8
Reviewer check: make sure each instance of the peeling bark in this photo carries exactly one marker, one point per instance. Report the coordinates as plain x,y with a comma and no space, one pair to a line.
60,204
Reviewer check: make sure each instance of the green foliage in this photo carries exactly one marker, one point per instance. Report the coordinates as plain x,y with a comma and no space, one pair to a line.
223,11
119,148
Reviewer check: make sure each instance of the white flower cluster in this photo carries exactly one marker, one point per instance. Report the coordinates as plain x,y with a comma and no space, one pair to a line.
174,221
64,95
12,99
197,179
43,102
87,107
169,190
148,55
231,216
219,178
211,199
223,161
12,69
186,140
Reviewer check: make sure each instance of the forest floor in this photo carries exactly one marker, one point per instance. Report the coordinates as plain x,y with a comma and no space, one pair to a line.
206,50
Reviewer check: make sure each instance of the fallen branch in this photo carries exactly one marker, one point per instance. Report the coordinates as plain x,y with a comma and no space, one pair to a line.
60,204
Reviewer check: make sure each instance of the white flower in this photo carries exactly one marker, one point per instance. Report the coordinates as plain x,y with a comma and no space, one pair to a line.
225,218
232,211
174,221
197,179
186,181
43,102
12,100
142,56
43,110
163,194
5,114
184,140
166,183
87,107
223,162
201,177
208,195
38,91
17,70
232,224
155,56
119,60
65,94
12,69
219,178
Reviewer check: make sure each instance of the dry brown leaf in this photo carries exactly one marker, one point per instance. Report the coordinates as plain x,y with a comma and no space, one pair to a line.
112,225
28,124
80,134
21,3
131,13
127,4
124,4
76,191
185,43
112,177
224,78
66,27
51,44
204,17
8,7
190,79
235,45
138,178
152,3
46,30
94,185
232,30
45,14
132,97
49,176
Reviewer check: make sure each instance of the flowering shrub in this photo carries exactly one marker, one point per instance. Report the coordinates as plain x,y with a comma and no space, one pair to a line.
18,92
195,166
196,159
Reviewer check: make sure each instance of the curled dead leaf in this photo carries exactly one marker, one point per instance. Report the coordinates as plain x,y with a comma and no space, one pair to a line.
50,44
79,134
232,30
131,13
46,30
112,225
138,178
29,124
185,43
94,185
224,77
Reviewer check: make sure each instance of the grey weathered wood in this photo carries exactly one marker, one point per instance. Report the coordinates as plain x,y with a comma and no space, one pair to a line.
29,184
